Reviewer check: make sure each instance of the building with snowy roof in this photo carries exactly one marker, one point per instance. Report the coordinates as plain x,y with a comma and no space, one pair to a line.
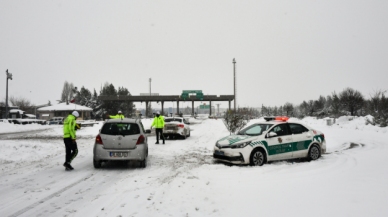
63,110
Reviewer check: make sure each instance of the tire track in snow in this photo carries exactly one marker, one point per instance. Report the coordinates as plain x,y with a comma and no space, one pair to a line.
55,194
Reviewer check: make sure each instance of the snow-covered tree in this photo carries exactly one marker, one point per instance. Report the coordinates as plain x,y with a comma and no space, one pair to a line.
234,121
288,108
83,97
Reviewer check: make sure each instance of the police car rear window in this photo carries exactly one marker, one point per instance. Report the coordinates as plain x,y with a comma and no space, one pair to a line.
124,129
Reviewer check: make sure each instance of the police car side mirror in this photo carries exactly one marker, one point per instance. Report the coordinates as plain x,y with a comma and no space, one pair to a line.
271,134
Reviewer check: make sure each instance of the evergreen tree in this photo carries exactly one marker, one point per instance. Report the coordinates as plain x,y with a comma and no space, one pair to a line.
275,111
83,97
126,107
288,108
109,107
335,105
96,105
112,107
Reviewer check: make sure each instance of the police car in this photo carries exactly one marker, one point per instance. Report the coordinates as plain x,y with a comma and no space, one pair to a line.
270,140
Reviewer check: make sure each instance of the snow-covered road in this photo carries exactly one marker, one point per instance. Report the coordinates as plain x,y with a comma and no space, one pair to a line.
182,179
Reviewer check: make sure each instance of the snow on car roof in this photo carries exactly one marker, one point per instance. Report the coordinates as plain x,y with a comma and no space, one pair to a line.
65,107
124,120
16,111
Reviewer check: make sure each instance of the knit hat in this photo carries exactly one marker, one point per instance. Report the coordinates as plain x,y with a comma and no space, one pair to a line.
119,112
158,113
75,114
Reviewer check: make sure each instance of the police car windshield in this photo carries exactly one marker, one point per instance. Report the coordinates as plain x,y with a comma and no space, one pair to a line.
255,130
173,120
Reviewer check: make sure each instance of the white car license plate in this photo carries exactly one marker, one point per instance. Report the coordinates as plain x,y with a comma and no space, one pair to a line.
119,154
219,152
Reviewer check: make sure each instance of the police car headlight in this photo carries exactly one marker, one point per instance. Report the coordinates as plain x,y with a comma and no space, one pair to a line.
240,145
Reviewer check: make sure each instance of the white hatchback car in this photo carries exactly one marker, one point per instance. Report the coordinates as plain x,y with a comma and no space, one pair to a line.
121,140
275,139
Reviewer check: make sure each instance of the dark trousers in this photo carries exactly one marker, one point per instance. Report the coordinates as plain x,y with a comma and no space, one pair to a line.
159,130
71,149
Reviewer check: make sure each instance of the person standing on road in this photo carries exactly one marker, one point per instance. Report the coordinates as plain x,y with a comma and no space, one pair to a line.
118,116
159,125
69,138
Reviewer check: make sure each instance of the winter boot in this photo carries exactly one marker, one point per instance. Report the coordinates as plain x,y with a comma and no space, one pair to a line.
68,166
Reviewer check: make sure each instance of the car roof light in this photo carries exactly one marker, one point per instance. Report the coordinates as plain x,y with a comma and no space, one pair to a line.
282,118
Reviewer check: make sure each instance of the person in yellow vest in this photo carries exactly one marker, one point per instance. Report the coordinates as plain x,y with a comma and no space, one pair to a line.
159,125
69,137
118,116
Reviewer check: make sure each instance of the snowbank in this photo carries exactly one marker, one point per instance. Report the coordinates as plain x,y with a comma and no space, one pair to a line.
345,122
16,128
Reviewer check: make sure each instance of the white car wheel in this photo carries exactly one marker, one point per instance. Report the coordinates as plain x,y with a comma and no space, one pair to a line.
314,152
257,158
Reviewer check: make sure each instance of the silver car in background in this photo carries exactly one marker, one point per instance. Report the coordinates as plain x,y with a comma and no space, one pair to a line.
121,140
176,127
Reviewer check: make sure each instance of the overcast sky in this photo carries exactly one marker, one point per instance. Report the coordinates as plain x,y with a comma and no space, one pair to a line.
286,51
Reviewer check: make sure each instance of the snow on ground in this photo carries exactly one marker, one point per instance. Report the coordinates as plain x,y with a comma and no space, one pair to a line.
15,128
182,179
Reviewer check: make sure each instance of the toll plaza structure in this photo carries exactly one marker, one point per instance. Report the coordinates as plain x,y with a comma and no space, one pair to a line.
171,98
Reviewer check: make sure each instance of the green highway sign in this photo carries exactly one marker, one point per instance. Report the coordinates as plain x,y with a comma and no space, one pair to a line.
204,106
192,91
185,94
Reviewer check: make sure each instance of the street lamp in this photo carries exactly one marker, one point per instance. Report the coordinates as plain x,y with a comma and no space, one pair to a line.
9,76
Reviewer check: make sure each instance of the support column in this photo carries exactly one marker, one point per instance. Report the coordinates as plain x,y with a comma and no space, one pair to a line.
192,108
229,107
146,113
210,108
162,107
177,107
127,110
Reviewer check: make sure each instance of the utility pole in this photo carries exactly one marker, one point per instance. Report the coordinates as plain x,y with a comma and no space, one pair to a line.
218,109
150,112
150,86
9,76
234,82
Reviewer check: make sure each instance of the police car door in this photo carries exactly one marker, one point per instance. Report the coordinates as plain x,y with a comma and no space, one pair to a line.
280,146
302,139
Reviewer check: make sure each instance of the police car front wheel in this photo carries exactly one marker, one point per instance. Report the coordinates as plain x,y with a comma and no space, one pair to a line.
314,152
257,158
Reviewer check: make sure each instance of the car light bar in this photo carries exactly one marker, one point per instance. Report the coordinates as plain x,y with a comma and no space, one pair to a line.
269,118
282,118
276,118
